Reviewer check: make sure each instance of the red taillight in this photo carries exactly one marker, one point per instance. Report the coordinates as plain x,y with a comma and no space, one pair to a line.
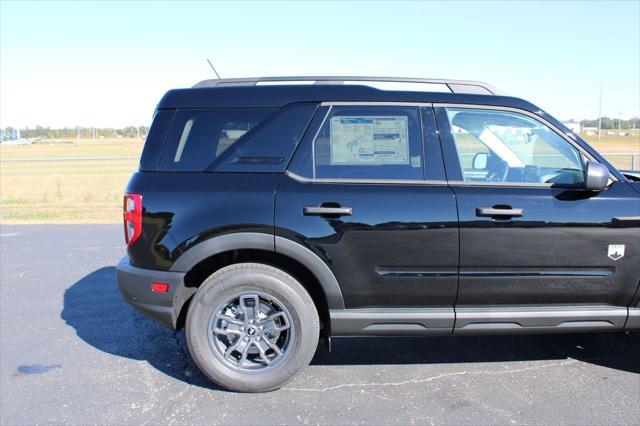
132,217
159,287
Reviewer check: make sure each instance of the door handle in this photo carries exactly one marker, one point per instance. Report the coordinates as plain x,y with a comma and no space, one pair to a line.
322,211
499,211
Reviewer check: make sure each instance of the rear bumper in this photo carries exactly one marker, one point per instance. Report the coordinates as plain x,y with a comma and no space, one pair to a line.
135,287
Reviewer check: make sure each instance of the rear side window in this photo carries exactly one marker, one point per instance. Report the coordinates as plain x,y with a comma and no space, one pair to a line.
198,137
370,142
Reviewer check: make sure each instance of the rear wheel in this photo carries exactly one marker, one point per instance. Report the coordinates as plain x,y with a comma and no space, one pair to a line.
252,327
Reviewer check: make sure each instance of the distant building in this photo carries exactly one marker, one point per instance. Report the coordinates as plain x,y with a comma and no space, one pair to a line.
574,126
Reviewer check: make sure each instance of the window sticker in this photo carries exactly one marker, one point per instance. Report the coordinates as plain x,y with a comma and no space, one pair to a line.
370,140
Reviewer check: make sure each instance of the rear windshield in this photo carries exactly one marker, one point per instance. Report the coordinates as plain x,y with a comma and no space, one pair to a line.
198,137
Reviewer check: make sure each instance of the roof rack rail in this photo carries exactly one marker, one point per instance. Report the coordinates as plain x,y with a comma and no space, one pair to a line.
450,86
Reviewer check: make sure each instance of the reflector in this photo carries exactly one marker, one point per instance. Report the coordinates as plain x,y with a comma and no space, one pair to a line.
159,287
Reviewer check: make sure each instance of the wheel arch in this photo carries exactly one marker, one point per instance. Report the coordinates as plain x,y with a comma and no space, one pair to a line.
203,259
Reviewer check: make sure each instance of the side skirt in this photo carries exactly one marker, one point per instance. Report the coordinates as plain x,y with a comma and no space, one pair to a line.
633,323
391,322
548,319
481,320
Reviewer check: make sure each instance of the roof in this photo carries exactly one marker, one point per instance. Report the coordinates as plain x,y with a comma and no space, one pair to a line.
428,84
276,92
277,96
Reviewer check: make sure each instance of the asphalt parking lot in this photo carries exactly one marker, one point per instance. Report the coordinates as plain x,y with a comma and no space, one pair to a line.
73,352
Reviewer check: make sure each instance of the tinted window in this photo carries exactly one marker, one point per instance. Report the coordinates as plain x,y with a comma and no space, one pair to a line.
155,139
501,146
370,142
270,146
198,137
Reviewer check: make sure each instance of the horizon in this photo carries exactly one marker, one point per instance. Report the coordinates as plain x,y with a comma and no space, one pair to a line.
83,128
107,64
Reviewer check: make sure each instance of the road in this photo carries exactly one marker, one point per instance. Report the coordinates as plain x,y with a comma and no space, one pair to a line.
71,351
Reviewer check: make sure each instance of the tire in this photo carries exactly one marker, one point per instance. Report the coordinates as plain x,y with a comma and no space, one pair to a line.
236,351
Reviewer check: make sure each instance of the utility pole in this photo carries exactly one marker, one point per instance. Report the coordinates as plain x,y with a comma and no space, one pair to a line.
619,123
600,114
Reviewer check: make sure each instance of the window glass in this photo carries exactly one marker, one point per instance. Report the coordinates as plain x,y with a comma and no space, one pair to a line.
370,142
198,137
501,146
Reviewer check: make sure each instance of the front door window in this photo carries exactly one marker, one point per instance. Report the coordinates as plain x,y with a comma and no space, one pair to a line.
503,146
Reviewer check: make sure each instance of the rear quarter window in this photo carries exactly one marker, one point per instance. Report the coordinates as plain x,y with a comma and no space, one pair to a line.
198,137
155,139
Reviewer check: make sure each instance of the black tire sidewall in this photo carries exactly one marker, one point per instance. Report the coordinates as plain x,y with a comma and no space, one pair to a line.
239,278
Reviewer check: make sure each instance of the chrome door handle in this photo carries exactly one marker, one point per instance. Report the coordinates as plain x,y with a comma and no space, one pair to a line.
322,211
501,212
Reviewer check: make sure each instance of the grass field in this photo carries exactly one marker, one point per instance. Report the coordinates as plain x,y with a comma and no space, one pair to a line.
615,148
84,191
90,191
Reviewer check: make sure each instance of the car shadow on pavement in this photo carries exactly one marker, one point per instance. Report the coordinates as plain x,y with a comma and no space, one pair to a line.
613,350
94,308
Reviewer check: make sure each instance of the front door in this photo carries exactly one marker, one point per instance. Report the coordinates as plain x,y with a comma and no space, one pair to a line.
366,193
535,249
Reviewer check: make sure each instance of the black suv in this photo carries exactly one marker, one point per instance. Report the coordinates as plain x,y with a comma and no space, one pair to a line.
268,212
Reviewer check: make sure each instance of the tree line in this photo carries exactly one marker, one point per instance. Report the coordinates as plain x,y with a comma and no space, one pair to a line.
10,133
613,123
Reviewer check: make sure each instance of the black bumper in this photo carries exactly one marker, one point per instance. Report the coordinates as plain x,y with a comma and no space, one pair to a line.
135,286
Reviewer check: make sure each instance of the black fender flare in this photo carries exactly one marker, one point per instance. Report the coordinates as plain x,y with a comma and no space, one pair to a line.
267,242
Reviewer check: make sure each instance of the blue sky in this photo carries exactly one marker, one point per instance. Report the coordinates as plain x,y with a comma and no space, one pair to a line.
108,63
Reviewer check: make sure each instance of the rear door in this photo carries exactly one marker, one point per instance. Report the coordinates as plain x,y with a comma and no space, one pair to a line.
536,251
366,192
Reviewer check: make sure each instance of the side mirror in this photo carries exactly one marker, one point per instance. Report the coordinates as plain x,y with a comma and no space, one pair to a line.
480,161
596,176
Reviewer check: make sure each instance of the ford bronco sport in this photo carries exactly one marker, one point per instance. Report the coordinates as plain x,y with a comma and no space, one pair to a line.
268,212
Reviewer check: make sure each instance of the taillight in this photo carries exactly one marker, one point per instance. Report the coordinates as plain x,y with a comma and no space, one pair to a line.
132,217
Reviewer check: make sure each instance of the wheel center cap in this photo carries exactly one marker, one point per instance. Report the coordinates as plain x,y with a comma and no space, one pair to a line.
251,331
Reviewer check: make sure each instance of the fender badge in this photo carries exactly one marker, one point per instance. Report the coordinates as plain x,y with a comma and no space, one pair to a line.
616,251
